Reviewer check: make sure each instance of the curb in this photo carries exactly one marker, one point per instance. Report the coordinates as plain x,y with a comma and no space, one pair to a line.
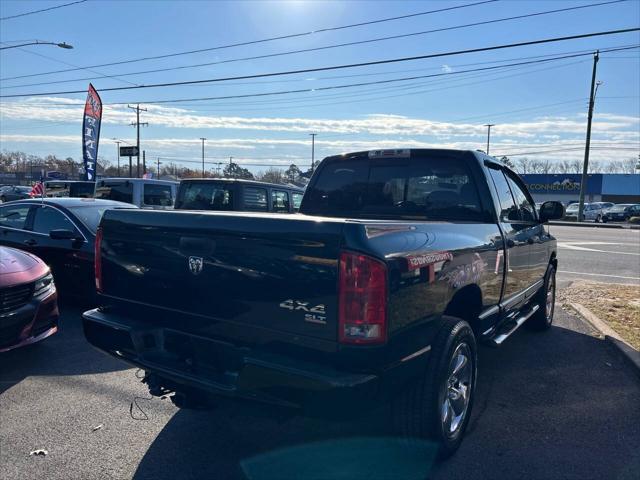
595,225
630,354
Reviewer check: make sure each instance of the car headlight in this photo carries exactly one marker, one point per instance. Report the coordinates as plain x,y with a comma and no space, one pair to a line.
44,285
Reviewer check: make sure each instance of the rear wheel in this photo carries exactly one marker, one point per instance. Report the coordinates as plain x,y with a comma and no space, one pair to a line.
437,406
543,318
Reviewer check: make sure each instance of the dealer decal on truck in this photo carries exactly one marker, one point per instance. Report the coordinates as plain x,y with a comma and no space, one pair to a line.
418,261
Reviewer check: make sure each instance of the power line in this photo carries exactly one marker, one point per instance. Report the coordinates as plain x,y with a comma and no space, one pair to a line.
343,66
327,47
264,40
42,10
361,84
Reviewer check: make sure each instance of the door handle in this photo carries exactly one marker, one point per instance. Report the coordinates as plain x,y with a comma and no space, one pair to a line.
31,242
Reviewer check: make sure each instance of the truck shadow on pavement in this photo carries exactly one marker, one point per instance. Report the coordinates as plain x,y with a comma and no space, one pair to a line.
554,405
65,353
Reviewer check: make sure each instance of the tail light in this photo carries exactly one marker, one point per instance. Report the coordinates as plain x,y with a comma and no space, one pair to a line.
362,299
97,262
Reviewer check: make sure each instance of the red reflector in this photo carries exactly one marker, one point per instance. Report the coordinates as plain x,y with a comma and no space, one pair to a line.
97,262
362,292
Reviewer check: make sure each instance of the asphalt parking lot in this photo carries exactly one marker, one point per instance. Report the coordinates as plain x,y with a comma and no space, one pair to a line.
561,404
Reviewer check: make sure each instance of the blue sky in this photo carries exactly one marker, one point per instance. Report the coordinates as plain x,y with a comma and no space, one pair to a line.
535,107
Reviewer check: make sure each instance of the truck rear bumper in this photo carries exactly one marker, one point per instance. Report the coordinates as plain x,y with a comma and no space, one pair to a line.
181,361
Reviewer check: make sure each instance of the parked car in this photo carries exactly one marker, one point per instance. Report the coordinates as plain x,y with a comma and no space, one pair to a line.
28,300
241,195
622,212
142,192
14,192
69,188
604,205
61,231
378,290
591,212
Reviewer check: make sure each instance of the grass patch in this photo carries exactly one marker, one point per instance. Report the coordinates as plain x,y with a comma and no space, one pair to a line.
616,304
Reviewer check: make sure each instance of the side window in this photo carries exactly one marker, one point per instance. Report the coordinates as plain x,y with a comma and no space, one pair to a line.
255,199
157,195
14,216
120,192
527,210
297,200
280,201
48,218
508,208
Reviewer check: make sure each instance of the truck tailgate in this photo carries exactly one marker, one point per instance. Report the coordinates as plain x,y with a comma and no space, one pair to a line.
269,270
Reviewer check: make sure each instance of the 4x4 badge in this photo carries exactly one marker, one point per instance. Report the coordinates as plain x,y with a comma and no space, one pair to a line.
195,265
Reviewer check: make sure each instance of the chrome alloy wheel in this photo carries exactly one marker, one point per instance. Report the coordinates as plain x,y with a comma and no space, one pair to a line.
551,298
458,389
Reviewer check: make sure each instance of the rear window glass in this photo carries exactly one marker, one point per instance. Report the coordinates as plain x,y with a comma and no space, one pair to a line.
117,191
205,196
91,215
280,200
157,195
297,200
421,188
255,199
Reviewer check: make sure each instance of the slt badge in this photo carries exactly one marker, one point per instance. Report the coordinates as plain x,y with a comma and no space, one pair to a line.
316,314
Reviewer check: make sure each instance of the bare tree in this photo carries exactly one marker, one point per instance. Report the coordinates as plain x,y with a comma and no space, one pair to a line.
523,165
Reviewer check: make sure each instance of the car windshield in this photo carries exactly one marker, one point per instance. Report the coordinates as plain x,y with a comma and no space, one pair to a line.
90,215
426,188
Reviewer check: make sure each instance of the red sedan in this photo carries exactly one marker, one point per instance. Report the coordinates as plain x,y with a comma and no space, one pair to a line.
28,299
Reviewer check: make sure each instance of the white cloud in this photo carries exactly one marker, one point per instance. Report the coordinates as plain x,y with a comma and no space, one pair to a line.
446,68
65,110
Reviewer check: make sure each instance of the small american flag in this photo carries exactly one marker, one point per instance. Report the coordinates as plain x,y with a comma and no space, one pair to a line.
37,190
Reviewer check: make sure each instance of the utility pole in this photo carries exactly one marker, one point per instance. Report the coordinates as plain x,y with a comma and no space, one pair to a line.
118,142
144,162
158,173
137,125
313,148
203,139
230,167
489,125
585,166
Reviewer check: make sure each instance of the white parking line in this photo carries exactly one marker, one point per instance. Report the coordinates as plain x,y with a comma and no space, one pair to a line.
576,246
598,275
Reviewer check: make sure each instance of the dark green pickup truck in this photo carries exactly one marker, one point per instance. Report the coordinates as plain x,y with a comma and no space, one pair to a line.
377,291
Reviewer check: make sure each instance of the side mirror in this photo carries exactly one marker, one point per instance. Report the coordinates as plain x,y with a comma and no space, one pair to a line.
63,234
551,211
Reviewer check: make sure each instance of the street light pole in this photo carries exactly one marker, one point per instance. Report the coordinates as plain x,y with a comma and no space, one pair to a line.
489,125
203,139
64,45
585,166
118,142
313,148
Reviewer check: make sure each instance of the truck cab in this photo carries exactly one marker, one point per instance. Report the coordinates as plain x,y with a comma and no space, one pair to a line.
222,194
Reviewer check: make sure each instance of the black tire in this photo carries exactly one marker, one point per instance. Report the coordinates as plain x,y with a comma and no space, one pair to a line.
417,412
543,318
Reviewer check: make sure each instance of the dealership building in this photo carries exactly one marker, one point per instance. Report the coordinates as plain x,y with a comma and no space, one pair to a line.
601,187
